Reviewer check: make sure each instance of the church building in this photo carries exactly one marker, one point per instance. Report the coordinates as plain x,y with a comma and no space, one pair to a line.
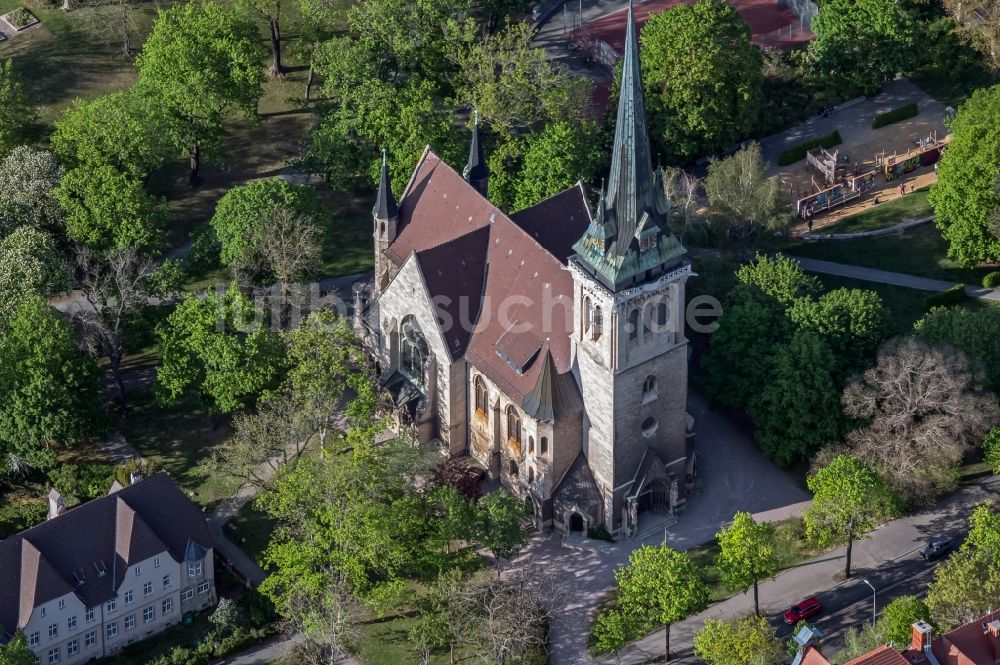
548,344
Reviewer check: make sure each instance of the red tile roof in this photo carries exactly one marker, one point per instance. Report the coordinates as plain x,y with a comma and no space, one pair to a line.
970,644
527,295
813,656
884,655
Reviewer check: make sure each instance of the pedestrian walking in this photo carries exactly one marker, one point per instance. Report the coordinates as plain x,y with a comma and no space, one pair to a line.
902,189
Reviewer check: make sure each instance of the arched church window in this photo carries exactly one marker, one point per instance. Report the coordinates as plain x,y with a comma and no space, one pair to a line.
513,424
482,396
633,324
531,445
531,475
661,316
649,388
649,426
413,350
588,314
381,229
513,469
544,445
598,326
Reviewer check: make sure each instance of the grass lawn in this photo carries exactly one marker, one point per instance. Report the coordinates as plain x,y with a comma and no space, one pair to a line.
790,547
911,206
921,251
176,438
250,529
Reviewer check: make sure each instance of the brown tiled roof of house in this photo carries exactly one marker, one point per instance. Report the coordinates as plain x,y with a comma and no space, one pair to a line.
812,656
527,295
107,534
884,655
971,644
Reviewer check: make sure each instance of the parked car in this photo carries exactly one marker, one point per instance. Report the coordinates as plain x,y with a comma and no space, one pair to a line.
807,609
936,549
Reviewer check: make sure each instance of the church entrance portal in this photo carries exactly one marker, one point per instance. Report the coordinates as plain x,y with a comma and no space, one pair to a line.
656,498
576,523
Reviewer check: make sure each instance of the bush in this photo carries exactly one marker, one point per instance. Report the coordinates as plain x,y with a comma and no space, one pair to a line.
991,449
82,482
895,115
991,280
20,17
798,152
944,298
600,532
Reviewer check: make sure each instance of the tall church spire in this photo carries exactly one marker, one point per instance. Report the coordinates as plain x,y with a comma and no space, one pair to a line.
476,172
630,187
628,237
385,204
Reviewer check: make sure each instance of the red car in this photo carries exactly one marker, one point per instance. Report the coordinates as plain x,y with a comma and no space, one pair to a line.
807,609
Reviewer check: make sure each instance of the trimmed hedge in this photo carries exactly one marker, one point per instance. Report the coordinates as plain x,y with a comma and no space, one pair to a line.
991,280
797,152
944,298
895,115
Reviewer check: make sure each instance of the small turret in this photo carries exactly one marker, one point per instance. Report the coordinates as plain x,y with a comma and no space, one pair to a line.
385,214
476,172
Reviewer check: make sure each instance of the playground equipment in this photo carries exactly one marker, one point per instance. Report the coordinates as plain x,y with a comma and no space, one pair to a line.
825,162
927,152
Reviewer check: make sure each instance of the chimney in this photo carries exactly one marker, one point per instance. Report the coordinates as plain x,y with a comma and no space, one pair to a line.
922,638
992,633
57,506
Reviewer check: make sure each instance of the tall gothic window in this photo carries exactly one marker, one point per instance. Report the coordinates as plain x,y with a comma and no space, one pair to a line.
413,351
649,388
588,314
482,396
598,326
513,424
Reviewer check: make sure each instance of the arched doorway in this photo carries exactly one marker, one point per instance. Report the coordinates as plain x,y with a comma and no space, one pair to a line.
576,523
656,498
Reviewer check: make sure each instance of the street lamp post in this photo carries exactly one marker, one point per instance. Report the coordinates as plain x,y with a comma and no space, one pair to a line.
873,600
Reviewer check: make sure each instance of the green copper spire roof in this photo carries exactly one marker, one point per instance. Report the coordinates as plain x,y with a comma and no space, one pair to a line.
634,205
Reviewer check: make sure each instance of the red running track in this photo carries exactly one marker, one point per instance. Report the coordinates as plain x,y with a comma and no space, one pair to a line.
765,18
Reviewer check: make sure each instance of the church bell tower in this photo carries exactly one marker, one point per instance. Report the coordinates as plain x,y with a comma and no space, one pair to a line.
385,216
630,350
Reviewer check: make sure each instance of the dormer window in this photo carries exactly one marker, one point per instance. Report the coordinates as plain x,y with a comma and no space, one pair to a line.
647,242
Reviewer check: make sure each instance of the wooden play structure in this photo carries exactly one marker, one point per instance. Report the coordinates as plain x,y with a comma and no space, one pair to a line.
927,152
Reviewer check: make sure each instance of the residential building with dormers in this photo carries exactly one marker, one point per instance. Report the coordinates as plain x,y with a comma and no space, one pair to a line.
95,579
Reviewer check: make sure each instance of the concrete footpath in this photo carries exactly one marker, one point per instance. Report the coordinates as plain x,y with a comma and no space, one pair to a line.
892,278
817,577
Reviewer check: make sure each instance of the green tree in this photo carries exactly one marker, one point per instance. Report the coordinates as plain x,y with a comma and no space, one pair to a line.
853,323
991,449
16,651
27,180
779,277
747,640
967,585
742,348
747,554
454,516
125,130
442,616
849,499
326,362
217,350
203,61
864,42
30,265
964,196
514,85
498,525
660,586
49,390
899,616
246,215
106,208
613,631
270,12
984,530
798,409
742,195
354,519
559,155
971,331
703,78
17,115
